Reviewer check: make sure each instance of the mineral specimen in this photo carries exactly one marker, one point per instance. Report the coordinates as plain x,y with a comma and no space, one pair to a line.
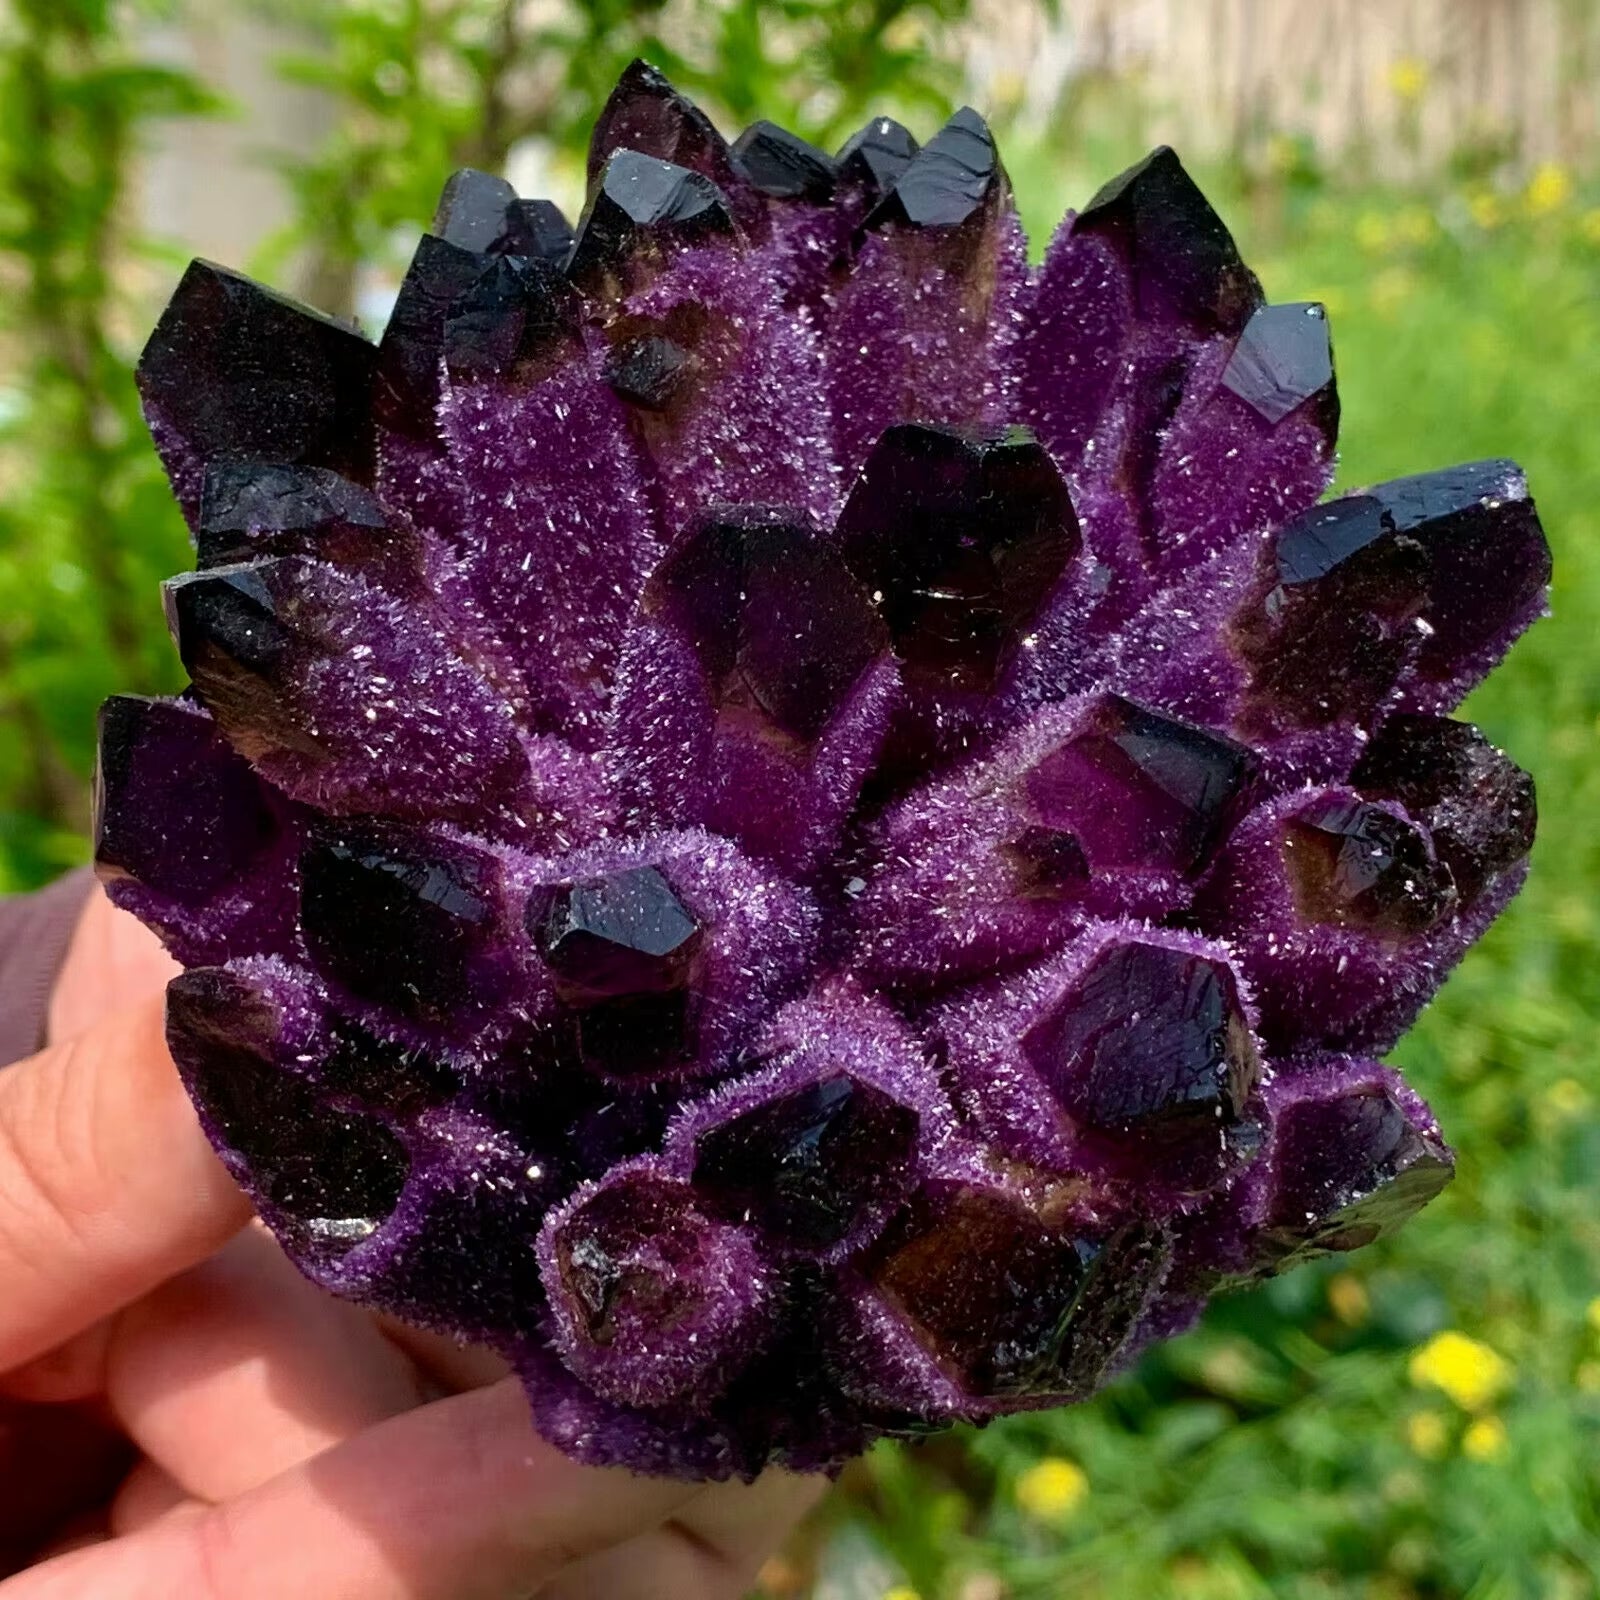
806,830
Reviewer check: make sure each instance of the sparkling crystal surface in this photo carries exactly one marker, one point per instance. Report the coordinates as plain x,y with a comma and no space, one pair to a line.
807,830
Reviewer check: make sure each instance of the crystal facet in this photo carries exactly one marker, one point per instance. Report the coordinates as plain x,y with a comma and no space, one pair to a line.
803,1166
959,539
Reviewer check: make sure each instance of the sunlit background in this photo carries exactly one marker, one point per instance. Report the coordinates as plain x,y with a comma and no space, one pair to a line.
1420,1422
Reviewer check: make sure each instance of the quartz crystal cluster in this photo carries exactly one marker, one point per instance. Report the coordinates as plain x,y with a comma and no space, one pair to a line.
807,829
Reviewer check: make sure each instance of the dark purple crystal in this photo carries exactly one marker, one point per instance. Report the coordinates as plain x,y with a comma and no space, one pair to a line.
473,210
1136,788
656,1301
1478,804
960,539
806,830
537,229
642,204
1282,360
1182,259
1151,1038
316,1169
165,772
1404,586
987,1287
1349,1170
947,180
804,1166
627,934
649,370
400,921
782,165
645,113
877,154
233,370
1359,865
775,618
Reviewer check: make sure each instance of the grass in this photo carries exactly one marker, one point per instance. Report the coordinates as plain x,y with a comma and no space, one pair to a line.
1286,1448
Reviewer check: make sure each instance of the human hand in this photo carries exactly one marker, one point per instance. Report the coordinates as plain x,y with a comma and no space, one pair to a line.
186,1415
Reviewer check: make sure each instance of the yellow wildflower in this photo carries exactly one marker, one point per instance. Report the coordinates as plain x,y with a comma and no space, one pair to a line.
1484,207
1566,1097
1592,1314
1589,225
1468,1371
1587,1377
1427,1434
1283,153
1372,231
1484,1440
1347,1294
1415,225
1549,188
1408,78
1052,1489
901,1591
1390,289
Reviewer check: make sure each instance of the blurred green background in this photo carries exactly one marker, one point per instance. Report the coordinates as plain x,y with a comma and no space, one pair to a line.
1423,1421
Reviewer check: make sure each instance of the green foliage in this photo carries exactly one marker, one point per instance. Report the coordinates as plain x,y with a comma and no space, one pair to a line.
1277,1450
86,526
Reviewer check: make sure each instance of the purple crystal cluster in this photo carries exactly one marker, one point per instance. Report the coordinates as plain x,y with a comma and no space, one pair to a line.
806,829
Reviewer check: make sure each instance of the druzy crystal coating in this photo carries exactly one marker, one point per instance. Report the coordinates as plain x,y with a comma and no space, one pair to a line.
807,829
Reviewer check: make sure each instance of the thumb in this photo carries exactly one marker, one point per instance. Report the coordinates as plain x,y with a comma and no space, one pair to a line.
107,1185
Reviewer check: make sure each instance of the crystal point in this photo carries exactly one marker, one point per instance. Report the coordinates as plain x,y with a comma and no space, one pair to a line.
642,203
806,1165
782,165
233,369
1478,804
537,229
473,209
1151,1038
1350,1170
877,154
1283,358
988,1287
960,539
645,113
774,616
627,934
397,921
947,180
1181,257
1136,787
1361,865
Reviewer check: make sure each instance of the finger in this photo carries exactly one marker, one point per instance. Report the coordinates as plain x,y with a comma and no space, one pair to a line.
147,1494
113,961
107,1185
239,1369
75,1370
710,1550
459,1500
